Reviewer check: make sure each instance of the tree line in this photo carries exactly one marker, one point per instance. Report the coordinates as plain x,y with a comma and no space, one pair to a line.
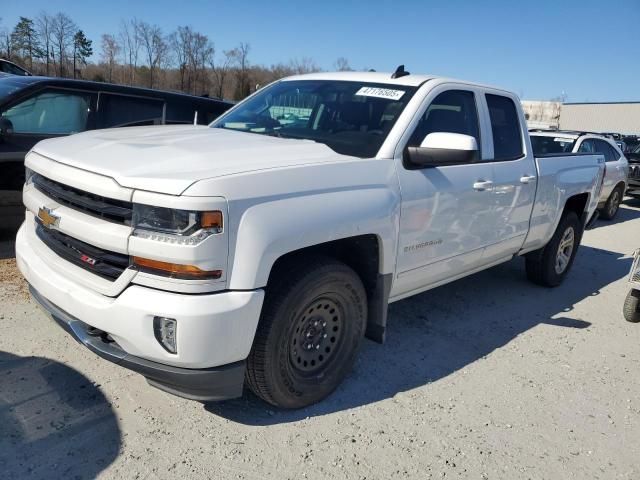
142,54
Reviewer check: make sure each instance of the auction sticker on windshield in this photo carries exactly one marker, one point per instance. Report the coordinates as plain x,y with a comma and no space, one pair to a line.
380,93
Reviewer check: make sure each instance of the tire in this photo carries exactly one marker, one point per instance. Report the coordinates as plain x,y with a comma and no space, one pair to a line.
544,267
310,330
612,206
631,308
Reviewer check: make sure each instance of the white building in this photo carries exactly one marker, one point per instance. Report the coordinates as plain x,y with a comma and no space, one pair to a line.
542,114
618,117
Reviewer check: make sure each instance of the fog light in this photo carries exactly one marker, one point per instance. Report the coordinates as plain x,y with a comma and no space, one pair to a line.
165,330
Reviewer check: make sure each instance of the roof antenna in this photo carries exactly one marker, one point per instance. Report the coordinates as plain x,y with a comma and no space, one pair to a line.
400,72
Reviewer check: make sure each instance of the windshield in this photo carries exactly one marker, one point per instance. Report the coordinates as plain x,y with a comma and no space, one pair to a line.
351,118
544,144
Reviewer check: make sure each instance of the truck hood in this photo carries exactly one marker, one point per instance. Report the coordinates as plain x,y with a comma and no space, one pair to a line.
168,159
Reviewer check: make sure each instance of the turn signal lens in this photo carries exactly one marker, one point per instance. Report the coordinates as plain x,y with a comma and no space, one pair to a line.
175,270
211,220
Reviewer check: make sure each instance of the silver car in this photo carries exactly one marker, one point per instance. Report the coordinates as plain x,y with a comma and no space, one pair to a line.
617,166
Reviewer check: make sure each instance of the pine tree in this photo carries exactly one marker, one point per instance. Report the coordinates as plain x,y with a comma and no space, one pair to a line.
81,49
25,40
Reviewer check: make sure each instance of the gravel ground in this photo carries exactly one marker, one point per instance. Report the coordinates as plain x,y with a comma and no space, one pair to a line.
488,377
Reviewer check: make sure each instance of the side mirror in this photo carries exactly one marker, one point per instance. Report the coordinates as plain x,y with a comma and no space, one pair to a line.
440,149
6,127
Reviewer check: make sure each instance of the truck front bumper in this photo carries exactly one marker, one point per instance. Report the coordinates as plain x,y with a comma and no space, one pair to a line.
218,383
214,331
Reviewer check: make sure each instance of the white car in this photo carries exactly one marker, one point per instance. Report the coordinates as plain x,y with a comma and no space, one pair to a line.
616,166
262,249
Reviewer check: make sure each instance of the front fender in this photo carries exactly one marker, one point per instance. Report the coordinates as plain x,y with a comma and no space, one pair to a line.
269,230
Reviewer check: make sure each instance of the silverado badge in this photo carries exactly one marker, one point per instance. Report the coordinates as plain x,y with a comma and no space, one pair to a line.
47,217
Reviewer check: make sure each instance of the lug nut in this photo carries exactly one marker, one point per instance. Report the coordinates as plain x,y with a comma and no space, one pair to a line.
324,336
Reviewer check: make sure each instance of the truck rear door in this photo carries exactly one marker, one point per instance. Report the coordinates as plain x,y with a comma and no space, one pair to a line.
514,175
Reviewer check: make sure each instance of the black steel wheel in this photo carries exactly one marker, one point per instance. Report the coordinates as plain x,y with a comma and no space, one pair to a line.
312,323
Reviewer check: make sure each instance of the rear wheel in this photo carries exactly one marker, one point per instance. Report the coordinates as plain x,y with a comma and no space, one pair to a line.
613,204
310,330
549,266
631,307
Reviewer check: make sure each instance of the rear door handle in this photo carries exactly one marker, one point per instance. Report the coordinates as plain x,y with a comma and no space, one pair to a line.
482,185
528,179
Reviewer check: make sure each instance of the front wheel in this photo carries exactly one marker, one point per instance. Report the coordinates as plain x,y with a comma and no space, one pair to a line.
631,307
309,334
549,266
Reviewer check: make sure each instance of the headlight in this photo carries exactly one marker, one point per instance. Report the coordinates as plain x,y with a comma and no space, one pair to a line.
175,226
28,176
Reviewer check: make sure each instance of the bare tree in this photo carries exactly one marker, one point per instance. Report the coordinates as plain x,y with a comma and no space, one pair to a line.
130,46
342,65
63,30
154,46
6,44
44,27
240,58
304,65
110,50
221,71
180,42
201,53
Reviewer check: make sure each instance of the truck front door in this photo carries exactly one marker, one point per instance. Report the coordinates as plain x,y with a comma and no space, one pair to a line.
447,211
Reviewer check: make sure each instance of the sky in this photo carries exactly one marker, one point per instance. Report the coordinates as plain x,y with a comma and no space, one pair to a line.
587,50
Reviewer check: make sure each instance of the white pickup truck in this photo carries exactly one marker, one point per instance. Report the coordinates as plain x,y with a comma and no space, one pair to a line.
261,250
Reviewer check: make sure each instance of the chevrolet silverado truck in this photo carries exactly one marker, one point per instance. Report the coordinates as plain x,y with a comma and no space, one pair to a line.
262,249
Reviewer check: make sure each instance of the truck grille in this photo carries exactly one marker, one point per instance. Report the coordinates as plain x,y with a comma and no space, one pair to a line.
109,209
104,263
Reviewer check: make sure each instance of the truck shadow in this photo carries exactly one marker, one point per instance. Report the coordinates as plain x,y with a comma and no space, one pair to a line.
446,329
54,422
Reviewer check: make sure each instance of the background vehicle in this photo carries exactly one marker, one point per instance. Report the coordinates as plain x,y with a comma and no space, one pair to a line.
634,171
617,167
266,246
631,309
12,69
35,108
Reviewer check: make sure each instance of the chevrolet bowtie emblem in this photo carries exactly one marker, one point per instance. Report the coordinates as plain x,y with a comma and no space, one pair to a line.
47,217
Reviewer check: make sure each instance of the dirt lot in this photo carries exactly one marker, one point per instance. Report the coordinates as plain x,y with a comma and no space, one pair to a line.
488,377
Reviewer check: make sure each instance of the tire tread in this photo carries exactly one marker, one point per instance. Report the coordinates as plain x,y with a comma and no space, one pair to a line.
285,278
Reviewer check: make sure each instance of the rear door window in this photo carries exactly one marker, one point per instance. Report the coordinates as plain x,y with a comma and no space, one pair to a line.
127,111
610,153
505,128
453,111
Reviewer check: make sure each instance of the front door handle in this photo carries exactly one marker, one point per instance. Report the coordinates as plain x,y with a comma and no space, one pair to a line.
528,179
482,185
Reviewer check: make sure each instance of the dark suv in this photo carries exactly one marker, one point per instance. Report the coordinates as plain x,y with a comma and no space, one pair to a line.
634,171
35,108
10,68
